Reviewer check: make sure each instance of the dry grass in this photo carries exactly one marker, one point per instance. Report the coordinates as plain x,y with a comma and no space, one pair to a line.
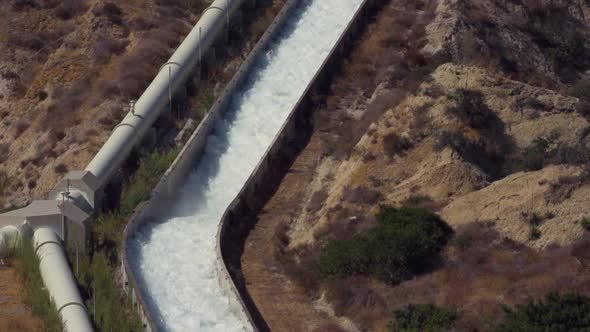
477,280
565,186
361,195
390,56
20,127
4,150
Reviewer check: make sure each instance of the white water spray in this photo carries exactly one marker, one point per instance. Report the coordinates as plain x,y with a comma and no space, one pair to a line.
174,260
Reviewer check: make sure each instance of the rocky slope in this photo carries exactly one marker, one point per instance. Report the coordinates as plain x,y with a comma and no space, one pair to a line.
477,110
67,72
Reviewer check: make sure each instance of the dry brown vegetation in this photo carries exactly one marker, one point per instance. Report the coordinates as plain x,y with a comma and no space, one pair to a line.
476,278
64,63
69,68
14,314
477,110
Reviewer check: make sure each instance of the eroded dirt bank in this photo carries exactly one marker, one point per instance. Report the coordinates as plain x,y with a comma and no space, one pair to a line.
475,110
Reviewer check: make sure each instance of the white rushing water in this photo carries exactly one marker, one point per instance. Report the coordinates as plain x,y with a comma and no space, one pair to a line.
174,260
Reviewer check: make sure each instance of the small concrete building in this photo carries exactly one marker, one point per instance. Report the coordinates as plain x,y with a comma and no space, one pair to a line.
66,219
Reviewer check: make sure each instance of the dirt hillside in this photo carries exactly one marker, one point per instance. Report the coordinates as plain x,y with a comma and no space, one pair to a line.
477,110
67,72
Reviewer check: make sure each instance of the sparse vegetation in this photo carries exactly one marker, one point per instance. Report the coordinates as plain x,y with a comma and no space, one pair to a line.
534,156
415,200
361,195
471,108
4,180
317,200
535,219
393,144
27,265
107,308
581,89
96,269
566,185
104,48
134,194
585,222
572,53
568,312
68,9
205,102
21,125
402,244
534,233
463,241
110,10
151,169
60,168
423,317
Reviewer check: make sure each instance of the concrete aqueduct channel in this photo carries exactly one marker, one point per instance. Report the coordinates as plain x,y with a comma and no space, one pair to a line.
176,269
173,263
173,257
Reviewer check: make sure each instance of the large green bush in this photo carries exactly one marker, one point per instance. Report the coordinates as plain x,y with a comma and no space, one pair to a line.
569,312
400,245
423,318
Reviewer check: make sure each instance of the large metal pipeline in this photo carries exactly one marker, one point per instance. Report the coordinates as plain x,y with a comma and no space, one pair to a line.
153,101
55,271
59,280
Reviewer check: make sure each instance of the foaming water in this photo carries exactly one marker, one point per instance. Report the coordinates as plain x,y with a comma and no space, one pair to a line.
174,260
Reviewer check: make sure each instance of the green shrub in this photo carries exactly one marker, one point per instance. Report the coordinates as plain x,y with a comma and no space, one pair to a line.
107,305
423,317
471,108
534,234
153,166
572,53
107,230
534,156
535,219
135,194
401,244
151,169
107,309
585,222
394,145
581,89
463,241
423,72
206,101
415,200
569,312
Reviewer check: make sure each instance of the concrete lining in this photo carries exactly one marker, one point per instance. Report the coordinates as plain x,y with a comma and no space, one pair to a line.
163,194
249,198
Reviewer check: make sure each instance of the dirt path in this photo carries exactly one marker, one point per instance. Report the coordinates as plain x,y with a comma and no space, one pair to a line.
265,277
14,314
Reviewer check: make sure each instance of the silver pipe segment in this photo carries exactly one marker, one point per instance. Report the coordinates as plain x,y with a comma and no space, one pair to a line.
60,282
55,270
154,99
